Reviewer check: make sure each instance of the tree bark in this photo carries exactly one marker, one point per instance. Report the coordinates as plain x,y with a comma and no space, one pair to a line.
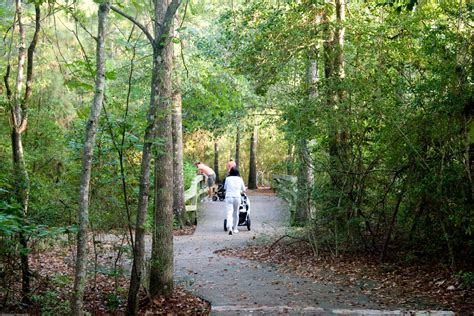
304,185
22,182
289,160
388,236
334,71
468,129
83,210
216,160
339,45
161,266
342,151
305,170
19,122
328,52
19,119
179,207
143,192
252,184
162,29
237,148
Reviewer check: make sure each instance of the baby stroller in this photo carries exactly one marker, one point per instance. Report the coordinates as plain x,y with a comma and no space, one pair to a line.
244,212
220,193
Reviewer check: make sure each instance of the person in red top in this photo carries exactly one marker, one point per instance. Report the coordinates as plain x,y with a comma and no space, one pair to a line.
231,164
209,174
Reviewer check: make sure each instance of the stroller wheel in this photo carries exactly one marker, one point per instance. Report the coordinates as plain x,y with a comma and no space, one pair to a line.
248,223
214,198
225,225
221,198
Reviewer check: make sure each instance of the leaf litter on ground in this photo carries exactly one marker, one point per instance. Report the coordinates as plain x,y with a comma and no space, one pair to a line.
106,290
389,285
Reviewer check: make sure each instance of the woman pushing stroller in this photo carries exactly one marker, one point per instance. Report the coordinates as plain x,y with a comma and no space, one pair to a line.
234,186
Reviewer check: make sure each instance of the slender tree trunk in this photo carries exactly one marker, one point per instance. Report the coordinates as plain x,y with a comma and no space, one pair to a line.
179,207
289,160
161,268
467,123
328,53
25,179
216,159
143,193
334,71
388,236
237,148
312,79
20,172
83,210
304,185
19,119
162,29
252,184
342,140
339,46
305,170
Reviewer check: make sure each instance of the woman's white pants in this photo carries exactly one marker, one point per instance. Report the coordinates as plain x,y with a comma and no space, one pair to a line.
232,206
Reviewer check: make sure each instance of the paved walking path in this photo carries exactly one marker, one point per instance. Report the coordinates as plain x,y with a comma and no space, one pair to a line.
241,287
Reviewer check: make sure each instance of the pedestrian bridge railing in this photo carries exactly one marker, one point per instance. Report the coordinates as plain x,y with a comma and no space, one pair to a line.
193,195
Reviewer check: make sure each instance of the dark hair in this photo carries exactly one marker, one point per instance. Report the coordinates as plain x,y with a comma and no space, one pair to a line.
234,172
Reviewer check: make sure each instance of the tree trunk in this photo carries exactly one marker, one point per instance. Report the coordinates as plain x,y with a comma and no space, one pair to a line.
304,185
179,207
143,192
289,160
468,129
341,140
22,182
237,148
19,119
305,170
161,267
334,71
252,184
162,29
388,236
328,53
312,79
216,160
339,46
83,210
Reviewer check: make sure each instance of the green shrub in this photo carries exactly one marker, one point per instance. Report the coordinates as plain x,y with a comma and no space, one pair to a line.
467,280
189,172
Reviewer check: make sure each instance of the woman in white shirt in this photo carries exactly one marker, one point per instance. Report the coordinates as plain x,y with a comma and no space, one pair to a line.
234,186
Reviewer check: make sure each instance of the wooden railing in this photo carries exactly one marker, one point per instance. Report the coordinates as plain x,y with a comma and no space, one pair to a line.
193,195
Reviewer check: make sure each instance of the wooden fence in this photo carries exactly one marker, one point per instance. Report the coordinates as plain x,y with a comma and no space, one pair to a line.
193,195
